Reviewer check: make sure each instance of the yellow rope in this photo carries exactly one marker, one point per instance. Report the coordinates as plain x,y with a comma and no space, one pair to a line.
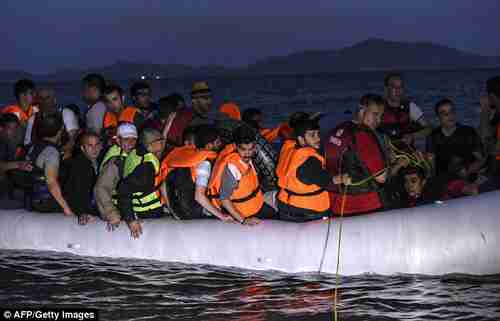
335,302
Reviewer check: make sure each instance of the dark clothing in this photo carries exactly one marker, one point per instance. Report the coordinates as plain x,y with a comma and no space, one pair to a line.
266,212
461,144
7,151
140,180
295,214
312,172
79,186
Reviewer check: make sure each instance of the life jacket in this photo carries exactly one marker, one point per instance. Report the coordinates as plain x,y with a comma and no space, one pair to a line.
294,192
128,114
110,120
179,168
341,151
286,152
150,199
22,115
272,134
39,188
116,154
395,120
247,198
109,127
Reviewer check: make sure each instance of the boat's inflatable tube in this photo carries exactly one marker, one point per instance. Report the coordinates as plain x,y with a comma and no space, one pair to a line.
462,236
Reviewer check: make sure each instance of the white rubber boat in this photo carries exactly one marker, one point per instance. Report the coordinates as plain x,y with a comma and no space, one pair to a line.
460,236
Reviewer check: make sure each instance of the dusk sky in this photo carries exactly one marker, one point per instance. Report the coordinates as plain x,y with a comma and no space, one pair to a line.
43,36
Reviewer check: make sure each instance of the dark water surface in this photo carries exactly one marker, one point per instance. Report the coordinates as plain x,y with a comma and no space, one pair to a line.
149,290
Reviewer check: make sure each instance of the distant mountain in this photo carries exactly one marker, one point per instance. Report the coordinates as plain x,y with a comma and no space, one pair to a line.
369,55
375,54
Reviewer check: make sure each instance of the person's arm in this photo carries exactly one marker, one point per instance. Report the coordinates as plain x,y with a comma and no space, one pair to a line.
51,175
203,171
311,172
201,197
106,183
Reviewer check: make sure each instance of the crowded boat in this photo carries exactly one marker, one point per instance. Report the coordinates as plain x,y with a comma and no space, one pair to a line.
125,164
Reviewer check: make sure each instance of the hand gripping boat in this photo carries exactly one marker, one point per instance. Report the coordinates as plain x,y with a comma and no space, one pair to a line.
459,236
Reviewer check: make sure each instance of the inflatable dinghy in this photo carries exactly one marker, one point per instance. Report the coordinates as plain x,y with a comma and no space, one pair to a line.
459,236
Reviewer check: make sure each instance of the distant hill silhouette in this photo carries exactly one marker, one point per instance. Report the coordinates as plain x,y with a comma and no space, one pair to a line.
372,54
375,54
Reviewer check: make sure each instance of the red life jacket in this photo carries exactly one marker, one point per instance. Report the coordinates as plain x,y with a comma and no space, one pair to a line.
344,150
396,120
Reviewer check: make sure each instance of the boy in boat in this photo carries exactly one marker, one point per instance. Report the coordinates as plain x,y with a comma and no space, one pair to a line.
189,169
234,185
110,174
303,179
139,190
421,189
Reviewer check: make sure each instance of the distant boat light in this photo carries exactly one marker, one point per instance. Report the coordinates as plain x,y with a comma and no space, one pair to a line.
143,77
157,77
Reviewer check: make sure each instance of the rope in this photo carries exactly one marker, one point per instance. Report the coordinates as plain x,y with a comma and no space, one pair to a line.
337,278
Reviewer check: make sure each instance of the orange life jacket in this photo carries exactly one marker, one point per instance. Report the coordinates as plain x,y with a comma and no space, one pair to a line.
128,114
185,157
110,120
272,134
22,115
286,152
297,194
247,198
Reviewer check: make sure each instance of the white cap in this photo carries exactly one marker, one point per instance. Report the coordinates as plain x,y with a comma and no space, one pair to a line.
127,130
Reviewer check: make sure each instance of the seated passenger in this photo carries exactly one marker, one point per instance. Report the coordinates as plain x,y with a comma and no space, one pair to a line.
92,88
452,139
354,148
9,152
81,179
234,185
138,192
23,109
201,100
110,174
142,110
189,172
113,98
401,115
254,118
304,179
421,190
45,156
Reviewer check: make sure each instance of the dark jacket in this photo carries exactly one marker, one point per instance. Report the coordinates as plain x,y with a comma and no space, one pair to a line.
79,186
